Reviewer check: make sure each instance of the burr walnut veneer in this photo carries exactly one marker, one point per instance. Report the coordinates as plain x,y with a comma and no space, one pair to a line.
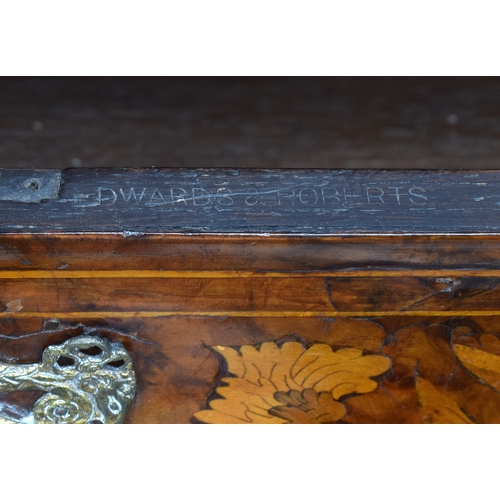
255,296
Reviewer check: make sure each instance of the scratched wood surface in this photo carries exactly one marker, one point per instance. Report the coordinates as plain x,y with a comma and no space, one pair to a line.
256,201
348,123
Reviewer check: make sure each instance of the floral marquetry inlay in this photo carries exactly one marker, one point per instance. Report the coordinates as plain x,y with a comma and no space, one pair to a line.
291,383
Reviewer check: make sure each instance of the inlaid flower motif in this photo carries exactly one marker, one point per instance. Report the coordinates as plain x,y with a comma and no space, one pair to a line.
480,356
290,383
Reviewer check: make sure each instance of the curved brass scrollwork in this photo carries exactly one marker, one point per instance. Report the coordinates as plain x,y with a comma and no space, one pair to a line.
86,380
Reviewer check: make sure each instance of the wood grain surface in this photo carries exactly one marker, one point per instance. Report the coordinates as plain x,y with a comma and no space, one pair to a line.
348,123
304,202
250,296
117,255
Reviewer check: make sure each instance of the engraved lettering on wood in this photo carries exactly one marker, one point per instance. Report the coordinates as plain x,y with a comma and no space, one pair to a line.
265,201
303,196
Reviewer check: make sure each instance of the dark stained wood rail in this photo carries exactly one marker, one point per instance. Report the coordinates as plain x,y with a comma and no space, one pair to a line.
215,201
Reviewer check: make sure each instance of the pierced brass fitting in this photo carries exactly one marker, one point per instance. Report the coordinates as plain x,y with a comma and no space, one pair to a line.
87,380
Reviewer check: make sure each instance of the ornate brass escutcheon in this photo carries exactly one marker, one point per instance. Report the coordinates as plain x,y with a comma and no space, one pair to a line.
86,379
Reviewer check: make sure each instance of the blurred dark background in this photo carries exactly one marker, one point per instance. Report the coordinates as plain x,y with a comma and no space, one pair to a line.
250,122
